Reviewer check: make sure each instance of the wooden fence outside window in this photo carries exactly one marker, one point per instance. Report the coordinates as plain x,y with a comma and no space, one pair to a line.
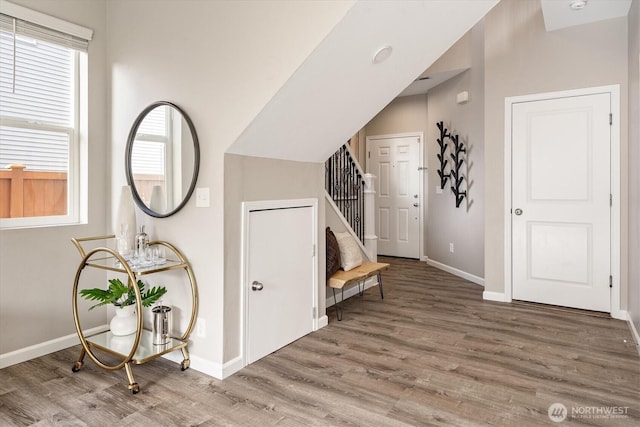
25,193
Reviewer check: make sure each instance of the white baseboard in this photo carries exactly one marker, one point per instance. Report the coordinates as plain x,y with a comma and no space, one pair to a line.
495,296
197,363
463,274
632,328
213,369
232,366
47,347
323,321
351,291
620,314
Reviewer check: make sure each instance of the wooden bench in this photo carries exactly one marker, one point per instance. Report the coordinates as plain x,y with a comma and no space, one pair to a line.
341,279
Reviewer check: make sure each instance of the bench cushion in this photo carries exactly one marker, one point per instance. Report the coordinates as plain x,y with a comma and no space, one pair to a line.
365,270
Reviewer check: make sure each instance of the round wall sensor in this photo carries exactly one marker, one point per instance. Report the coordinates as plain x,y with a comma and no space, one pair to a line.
382,54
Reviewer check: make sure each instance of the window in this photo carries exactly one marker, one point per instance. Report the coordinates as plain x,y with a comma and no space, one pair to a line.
42,86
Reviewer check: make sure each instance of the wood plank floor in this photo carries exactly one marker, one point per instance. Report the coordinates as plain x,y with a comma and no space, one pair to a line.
431,353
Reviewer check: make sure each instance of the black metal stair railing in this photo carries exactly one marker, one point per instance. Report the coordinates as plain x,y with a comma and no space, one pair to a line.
345,184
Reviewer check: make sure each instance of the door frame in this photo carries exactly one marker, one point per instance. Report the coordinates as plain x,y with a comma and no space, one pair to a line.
422,177
614,92
247,208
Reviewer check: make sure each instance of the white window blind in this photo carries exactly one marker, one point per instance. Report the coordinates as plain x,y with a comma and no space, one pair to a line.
148,157
149,151
36,81
32,30
37,88
155,123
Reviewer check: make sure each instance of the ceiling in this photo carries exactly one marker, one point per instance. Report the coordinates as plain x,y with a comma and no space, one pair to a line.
559,14
343,83
422,84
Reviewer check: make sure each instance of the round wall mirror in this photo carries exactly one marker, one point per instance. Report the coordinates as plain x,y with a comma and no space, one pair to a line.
162,159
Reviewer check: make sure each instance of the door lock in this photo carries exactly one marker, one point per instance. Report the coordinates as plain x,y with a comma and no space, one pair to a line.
518,212
416,205
256,286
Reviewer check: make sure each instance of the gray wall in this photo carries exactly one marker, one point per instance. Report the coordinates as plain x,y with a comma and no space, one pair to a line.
446,224
405,114
522,58
38,265
634,163
253,179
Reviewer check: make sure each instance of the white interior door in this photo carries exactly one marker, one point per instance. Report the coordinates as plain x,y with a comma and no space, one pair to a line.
395,161
561,186
280,278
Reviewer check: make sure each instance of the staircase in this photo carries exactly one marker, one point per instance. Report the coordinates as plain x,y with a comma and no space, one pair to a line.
350,191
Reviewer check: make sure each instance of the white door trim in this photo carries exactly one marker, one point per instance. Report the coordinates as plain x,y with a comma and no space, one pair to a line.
614,91
423,176
247,208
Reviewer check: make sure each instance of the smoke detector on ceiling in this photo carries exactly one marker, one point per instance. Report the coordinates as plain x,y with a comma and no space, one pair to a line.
578,4
382,54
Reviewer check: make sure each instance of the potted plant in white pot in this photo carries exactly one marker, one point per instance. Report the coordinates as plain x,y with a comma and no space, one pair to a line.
124,299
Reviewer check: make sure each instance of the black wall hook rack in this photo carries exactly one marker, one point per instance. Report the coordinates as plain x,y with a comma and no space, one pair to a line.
444,134
457,159
456,177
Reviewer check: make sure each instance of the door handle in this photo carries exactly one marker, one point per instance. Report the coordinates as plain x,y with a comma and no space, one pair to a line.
256,286
416,205
518,212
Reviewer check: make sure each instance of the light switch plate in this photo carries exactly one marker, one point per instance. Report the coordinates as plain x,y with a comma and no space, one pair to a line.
202,197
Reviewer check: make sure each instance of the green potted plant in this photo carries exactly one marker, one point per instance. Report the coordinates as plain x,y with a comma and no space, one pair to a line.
124,299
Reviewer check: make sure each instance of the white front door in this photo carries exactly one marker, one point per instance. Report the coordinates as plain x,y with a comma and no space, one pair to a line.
395,161
279,279
561,186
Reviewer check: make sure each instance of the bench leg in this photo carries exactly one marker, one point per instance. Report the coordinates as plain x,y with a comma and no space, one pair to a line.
380,286
338,305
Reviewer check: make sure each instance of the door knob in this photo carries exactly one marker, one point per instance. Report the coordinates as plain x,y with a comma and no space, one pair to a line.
256,286
416,205
518,212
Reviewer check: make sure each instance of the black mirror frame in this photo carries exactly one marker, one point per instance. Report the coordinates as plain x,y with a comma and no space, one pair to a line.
129,149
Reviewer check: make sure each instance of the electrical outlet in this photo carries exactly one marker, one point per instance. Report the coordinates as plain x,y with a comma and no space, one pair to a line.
201,328
451,247
438,189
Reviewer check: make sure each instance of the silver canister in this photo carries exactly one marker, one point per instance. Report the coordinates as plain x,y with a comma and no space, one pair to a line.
161,324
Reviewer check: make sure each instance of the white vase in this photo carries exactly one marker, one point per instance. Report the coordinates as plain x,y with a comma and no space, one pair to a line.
125,322
124,225
157,203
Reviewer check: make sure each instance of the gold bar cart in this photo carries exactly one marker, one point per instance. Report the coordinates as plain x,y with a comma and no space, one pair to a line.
137,348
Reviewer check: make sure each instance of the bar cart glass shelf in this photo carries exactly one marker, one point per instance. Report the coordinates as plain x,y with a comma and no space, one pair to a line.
136,348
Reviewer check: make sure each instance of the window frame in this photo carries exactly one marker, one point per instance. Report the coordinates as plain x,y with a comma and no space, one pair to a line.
77,173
